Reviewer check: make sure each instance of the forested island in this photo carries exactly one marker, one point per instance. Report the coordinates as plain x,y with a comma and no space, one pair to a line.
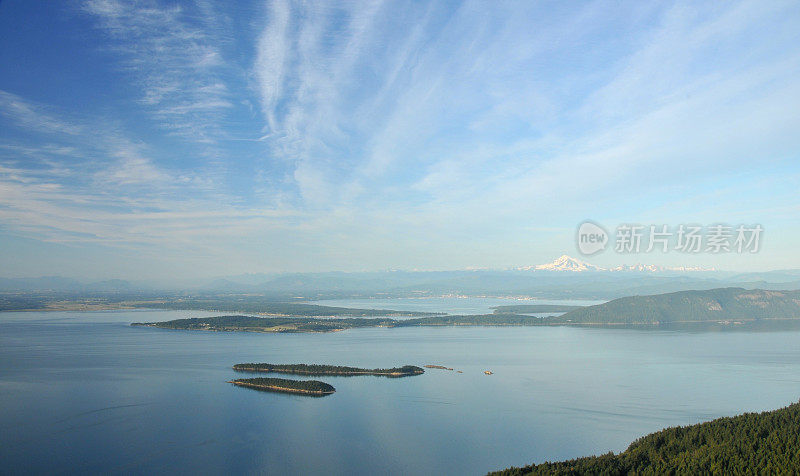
304,387
316,369
270,324
752,443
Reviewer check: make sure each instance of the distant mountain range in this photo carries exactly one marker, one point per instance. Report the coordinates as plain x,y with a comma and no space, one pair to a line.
568,263
564,278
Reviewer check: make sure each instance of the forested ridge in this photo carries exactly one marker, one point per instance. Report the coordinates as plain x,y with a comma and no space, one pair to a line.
691,306
752,443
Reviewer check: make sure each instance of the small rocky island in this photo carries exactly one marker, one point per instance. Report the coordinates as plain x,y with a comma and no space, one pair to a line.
303,387
317,369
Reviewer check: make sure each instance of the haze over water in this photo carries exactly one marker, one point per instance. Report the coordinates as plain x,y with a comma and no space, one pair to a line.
86,392
447,304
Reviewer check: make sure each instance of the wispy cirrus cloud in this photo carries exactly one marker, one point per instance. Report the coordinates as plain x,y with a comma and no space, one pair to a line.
174,53
474,99
34,116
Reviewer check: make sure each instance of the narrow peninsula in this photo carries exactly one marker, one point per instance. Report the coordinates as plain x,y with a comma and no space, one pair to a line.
533,308
302,387
317,369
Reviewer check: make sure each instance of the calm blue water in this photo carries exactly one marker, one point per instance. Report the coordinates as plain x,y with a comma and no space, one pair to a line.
84,392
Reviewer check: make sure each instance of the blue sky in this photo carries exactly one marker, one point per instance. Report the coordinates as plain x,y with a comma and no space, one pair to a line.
144,139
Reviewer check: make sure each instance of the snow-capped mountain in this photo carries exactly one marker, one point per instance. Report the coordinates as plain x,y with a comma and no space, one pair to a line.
568,263
564,263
